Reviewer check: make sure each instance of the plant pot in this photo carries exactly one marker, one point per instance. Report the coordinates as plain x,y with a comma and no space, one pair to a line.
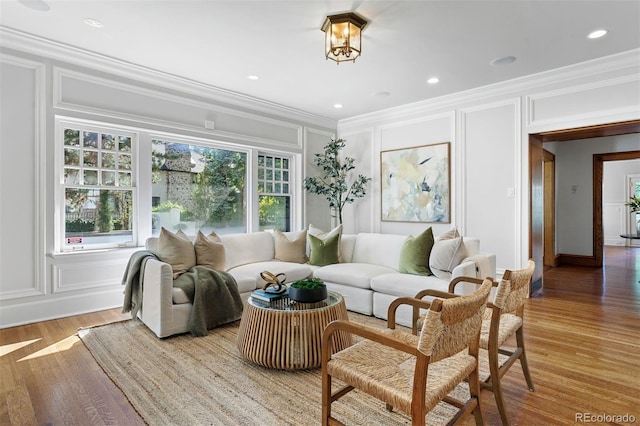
305,295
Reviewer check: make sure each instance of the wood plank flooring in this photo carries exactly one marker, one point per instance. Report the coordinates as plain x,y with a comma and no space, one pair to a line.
582,336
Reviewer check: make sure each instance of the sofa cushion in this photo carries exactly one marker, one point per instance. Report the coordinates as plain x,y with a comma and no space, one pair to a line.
351,274
210,251
176,250
323,235
290,246
379,249
414,257
324,251
242,249
448,251
401,285
293,271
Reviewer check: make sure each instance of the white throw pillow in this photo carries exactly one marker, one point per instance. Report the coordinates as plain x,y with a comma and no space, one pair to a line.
447,253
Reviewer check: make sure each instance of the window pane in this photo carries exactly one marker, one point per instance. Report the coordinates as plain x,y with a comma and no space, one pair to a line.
108,160
277,175
90,140
109,178
108,142
285,188
90,159
71,137
269,162
124,179
98,216
278,163
198,188
125,143
71,176
276,188
268,187
269,175
274,213
285,163
90,177
124,162
261,174
285,176
71,157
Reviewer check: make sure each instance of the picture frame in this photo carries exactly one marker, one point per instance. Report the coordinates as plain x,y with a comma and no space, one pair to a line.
416,184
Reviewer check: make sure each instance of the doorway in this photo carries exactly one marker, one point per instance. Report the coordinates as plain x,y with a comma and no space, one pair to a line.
549,188
536,191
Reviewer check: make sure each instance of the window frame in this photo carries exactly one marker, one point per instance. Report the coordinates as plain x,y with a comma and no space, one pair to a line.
62,123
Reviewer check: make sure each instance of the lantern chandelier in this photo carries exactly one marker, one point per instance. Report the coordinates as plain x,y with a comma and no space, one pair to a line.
343,38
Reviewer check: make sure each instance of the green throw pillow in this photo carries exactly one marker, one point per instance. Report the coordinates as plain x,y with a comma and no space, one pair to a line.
414,258
324,252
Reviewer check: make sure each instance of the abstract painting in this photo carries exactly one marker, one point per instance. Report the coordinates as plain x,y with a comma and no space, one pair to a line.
416,184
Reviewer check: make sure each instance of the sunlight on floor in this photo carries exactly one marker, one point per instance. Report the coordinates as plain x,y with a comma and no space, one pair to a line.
7,349
62,345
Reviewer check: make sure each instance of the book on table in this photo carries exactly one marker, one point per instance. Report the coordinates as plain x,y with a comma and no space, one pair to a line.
268,296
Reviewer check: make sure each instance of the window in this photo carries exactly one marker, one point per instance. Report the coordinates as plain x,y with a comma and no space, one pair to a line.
274,196
198,188
97,186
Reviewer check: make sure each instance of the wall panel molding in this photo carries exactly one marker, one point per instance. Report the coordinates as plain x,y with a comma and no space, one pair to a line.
65,79
61,52
543,114
38,286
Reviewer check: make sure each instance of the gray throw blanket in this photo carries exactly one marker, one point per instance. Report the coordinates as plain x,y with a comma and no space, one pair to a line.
132,280
215,297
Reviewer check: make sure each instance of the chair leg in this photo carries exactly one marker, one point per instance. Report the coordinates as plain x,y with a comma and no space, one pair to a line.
496,386
474,392
523,359
326,398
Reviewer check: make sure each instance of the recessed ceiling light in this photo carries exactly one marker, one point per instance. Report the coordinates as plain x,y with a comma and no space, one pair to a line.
505,60
35,5
433,80
337,106
382,94
253,77
597,34
93,23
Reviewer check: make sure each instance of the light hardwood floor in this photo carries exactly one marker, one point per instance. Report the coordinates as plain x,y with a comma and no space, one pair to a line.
582,337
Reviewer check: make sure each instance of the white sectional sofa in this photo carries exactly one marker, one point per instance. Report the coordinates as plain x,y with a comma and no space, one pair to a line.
368,276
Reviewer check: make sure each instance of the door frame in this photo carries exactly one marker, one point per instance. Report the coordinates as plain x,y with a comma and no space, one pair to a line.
536,202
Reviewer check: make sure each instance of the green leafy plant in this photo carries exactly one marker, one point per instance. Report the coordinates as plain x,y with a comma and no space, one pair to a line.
308,283
333,181
634,204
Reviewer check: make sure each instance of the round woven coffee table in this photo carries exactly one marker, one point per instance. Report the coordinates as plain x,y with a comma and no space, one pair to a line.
287,335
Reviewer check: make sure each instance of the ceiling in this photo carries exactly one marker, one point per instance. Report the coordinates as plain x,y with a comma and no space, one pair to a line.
222,42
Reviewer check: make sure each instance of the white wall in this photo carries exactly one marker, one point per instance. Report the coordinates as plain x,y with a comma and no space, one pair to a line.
489,131
40,82
574,190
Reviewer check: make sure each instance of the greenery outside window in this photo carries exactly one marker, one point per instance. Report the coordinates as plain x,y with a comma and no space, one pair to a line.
195,187
274,192
98,186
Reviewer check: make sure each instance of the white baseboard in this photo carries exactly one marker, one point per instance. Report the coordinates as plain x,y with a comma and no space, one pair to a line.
31,311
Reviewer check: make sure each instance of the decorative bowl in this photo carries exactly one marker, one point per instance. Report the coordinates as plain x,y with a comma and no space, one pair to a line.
310,290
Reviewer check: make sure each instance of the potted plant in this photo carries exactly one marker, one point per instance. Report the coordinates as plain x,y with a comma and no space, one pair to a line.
634,208
308,290
333,182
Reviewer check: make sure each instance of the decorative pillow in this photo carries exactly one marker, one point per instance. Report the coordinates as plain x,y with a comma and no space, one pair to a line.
176,250
447,253
210,251
291,250
414,257
324,252
323,235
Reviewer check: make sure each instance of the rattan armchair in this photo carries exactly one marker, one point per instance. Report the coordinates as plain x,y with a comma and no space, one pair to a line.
502,320
411,373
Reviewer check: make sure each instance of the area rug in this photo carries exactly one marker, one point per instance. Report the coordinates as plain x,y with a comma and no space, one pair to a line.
205,381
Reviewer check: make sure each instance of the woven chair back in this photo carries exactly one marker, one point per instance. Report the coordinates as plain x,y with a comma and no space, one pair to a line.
514,288
450,329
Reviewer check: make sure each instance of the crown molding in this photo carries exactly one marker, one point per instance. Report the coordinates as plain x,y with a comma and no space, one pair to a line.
518,86
39,46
